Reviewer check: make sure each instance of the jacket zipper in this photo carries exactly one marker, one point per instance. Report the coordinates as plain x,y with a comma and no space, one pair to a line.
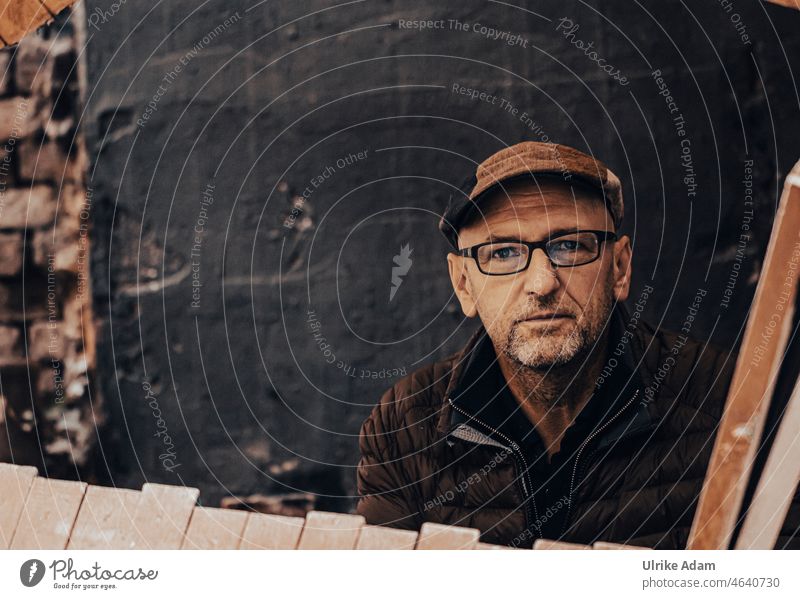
514,449
580,451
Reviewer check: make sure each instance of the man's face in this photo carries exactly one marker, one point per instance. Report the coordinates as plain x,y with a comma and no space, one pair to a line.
544,316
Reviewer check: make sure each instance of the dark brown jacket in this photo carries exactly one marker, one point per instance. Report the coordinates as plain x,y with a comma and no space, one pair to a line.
630,470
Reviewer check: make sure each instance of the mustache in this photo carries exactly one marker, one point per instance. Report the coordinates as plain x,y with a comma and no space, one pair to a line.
558,307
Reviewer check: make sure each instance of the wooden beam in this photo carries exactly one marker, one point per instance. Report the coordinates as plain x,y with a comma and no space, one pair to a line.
50,512
215,528
762,351
105,520
778,483
542,544
443,536
271,531
383,537
606,546
15,482
787,3
328,530
19,17
489,546
162,516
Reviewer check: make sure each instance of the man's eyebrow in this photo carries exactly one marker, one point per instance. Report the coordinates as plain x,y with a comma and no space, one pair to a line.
551,235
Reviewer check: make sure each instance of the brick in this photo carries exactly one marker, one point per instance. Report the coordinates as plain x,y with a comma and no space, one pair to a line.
45,162
10,253
45,341
45,382
27,207
64,249
8,176
12,307
5,73
17,118
9,341
31,62
45,80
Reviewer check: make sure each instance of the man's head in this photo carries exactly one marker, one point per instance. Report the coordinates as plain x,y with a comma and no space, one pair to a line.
546,315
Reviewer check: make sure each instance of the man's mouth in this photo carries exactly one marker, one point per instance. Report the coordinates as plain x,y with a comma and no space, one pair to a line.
546,317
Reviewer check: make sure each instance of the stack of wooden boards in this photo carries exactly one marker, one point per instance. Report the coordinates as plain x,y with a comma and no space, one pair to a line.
45,513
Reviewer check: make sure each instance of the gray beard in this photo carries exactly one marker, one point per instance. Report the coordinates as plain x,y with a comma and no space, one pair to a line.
551,350
545,351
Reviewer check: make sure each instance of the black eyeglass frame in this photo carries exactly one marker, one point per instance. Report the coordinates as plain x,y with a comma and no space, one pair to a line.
472,252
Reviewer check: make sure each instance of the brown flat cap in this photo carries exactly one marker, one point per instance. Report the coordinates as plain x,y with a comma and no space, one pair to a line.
527,160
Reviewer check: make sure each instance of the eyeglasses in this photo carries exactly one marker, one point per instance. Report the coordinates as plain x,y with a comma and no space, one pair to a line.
565,251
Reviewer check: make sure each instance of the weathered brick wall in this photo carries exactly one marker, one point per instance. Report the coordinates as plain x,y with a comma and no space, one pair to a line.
48,416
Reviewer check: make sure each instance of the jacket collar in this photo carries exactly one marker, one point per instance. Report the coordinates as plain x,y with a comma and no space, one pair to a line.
635,417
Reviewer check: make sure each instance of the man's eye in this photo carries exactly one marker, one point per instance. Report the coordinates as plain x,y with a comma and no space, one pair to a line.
566,245
505,253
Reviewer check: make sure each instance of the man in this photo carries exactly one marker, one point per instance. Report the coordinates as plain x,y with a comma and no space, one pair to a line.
565,417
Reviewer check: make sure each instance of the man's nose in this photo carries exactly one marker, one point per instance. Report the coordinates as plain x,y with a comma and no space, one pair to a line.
541,277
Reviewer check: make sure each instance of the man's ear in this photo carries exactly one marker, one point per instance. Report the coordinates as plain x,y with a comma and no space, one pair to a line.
457,266
623,254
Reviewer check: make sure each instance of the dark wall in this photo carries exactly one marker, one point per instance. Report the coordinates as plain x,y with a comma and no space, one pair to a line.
241,143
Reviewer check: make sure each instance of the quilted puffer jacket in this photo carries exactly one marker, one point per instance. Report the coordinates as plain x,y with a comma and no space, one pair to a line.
448,444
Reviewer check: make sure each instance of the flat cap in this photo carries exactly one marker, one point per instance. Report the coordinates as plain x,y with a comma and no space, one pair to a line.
527,160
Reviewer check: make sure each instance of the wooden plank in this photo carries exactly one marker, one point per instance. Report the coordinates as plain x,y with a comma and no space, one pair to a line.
787,3
15,482
441,536
162,516
215,528
605,546
105,520
327,530
757,365
383,537
778,483
545,544
18,17
50,512
270,531
490,546
56,6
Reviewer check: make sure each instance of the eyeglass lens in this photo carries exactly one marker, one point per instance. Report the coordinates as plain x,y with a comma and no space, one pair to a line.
507,257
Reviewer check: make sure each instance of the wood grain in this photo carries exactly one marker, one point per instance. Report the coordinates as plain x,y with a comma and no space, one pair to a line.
49,515
269,531
105,520
442,536
15,482
19,17
605,546
778,483
383,537
215,528
162,516
542,544
328,530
